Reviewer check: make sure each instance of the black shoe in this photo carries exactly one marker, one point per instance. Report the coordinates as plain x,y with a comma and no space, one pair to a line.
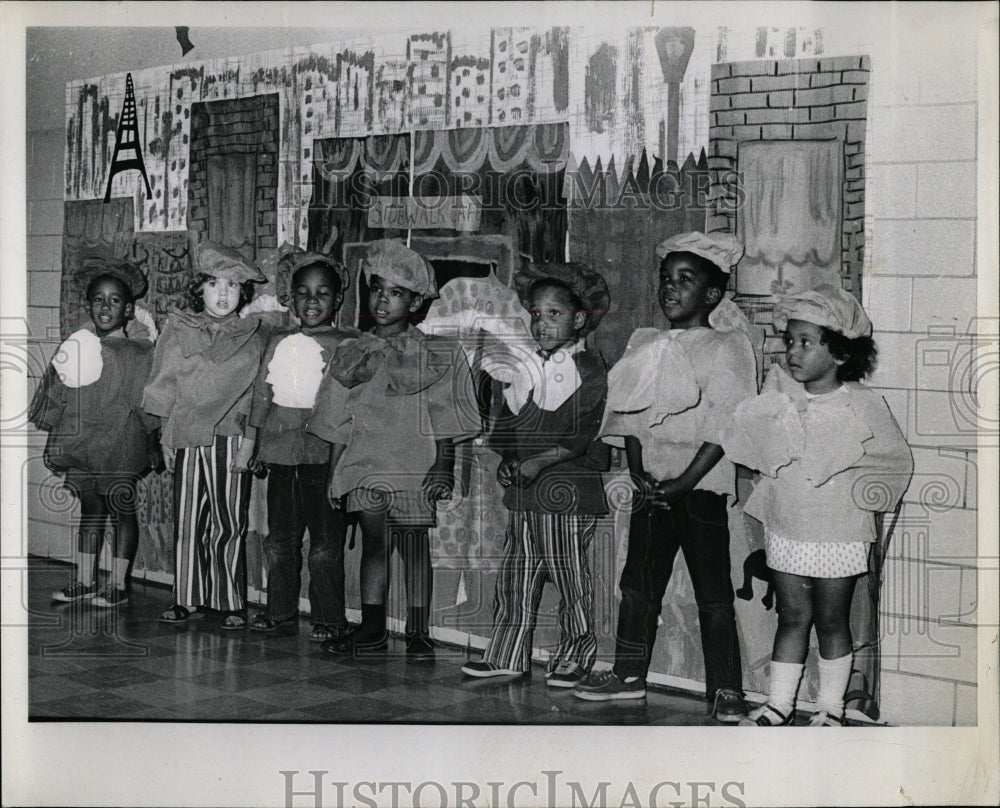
420,648
358,644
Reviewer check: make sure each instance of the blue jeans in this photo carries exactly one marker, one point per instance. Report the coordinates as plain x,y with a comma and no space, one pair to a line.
296,499
698,526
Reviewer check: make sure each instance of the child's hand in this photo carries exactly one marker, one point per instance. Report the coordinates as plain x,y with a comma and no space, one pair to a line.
529,469
646,483
336,501
154,456
243,458
438,483
168,458
506,472
667,493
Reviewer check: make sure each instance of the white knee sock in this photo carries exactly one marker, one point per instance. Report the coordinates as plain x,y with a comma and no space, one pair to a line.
784,685
119,566
834,675
85,567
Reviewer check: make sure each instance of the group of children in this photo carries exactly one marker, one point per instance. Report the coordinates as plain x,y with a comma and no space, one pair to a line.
363,426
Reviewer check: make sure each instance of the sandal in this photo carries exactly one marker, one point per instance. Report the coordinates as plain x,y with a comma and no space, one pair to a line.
321,632
824,719
180,614
766,716
262,622
233,621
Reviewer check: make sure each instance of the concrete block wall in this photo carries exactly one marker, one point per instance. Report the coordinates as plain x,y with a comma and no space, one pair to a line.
46,505
919,287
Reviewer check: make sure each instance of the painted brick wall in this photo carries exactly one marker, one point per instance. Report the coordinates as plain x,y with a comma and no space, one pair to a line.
793,99
238,125
919,287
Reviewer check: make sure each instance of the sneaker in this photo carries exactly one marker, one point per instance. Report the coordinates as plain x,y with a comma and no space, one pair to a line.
728,706
110,598
481,669
824,719
74,592
566,674
609,686
766,716
419,648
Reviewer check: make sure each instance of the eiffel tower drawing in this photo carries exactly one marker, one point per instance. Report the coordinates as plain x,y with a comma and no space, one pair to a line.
127,140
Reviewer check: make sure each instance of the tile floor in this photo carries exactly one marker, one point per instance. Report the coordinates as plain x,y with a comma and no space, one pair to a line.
87,663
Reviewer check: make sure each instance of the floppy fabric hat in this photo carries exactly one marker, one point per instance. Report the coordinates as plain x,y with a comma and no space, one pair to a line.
93,266
722,249
825,306
225,262
294,261
586,284
396,263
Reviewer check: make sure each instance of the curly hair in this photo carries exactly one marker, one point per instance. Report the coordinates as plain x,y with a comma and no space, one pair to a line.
859,355
194,292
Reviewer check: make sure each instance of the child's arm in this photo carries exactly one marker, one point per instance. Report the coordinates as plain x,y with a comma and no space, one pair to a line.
47,408
244,452
667,492
885,470
336,451
260,404
587,406
160,392
49,401
643,480
732,379
439,482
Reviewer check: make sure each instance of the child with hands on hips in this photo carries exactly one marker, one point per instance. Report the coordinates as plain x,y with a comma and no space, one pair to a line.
201,387
298,462
99,437
831,454
669,398
551,470
392,404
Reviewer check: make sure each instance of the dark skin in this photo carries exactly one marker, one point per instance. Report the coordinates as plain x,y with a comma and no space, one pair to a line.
554,325
686,298
110,305
391,308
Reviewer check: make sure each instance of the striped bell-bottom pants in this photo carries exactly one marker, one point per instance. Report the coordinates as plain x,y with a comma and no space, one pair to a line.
542,547
211,506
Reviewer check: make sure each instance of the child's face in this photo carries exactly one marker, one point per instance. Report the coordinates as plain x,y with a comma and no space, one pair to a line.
221,296
315,297
390,305
809,360
109,305
554,323
686,295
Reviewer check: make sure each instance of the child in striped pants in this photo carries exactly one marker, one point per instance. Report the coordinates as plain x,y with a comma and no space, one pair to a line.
551,471
201,387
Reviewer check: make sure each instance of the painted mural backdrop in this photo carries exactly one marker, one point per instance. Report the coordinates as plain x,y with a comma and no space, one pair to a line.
607,85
